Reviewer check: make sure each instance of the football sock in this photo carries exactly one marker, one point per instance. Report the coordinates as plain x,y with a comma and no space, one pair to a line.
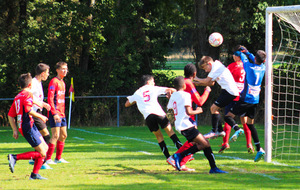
28,155
210,157
164,149
184,147
254,136
50,151
176,141
215,118
220,128
191,150
59,149
227,130
247,134
38,164
47,139
231,122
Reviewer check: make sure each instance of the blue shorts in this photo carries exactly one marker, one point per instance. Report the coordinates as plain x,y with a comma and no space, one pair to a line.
32,135
63,122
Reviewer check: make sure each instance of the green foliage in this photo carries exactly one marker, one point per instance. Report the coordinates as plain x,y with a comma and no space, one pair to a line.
109,45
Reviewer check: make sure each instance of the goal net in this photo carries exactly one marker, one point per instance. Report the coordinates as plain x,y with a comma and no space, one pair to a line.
282,96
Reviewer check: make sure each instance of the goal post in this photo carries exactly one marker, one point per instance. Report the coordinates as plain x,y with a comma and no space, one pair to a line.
269,78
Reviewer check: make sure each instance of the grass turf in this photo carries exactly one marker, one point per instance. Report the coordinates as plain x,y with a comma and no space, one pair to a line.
129,158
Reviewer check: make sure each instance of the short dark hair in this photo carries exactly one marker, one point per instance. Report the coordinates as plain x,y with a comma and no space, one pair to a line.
145,79
204,60
179,82
189,70
260,56
25,80
41,67
59,64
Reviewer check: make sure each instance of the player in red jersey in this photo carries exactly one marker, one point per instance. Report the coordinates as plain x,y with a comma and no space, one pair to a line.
22,109
237,70
190,72
57,118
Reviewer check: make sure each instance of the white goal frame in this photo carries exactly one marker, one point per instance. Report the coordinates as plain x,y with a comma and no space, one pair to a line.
268,74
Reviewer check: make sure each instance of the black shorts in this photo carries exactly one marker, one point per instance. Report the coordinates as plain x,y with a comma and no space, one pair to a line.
153,120
190,133
224,99
244,109
40,125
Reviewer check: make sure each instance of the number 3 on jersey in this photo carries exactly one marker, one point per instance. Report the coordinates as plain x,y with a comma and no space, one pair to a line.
146,96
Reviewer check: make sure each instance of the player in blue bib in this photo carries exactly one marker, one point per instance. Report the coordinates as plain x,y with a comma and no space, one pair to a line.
254,76
249,97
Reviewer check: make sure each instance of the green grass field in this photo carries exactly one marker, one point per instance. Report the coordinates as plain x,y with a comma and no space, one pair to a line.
129,158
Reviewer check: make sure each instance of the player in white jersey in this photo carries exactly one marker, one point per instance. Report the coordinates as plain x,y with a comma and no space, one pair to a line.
180,103
217,72
41,74
146,100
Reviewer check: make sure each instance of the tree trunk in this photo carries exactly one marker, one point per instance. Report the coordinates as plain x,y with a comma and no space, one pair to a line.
85,54
22,27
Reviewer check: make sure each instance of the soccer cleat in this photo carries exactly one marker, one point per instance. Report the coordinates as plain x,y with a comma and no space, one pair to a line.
46,167
220,134
171,161
210,135
259,155
184,168
12,162
61,161
34,176
31,162
250,149
177,158
216,170
50,161
224,147
236,135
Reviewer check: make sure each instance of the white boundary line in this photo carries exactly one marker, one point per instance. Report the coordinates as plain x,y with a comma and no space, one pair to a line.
149,142
260,174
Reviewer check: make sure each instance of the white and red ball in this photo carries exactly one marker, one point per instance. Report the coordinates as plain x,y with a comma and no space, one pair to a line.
215,39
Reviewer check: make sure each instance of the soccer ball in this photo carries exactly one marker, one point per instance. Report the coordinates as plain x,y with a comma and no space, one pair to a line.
215,39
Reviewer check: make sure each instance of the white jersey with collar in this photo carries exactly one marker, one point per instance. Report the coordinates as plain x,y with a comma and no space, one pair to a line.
37,92
177,102
220,74
146,100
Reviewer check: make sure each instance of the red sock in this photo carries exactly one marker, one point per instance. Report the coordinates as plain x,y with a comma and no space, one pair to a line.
59,149
227,130
184,147
28,155
38,164
247,134
50,151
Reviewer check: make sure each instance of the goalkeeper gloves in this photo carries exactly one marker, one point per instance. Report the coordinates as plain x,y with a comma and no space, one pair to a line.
244,50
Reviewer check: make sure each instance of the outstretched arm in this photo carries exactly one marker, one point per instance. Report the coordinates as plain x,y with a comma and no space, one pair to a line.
128,104
170,91
35,114
203,81
189,110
